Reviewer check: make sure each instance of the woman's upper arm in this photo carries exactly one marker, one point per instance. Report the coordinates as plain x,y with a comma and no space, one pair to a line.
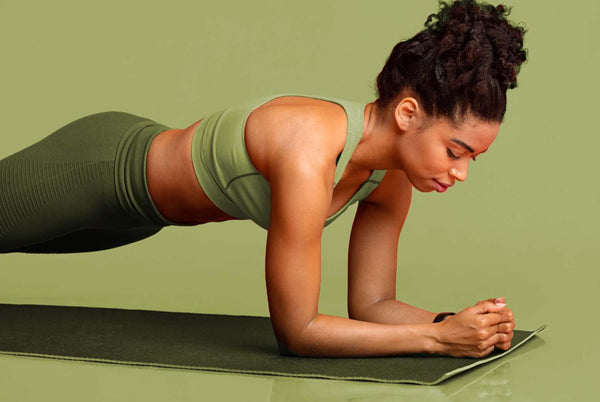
300,198
372,256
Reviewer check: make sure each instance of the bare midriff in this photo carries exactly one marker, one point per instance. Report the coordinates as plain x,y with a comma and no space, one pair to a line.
175,189
172,182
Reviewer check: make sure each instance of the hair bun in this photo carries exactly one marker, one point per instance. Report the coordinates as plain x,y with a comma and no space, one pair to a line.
463,62
470,30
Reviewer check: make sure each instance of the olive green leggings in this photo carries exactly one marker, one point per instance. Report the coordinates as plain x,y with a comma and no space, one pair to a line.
82,188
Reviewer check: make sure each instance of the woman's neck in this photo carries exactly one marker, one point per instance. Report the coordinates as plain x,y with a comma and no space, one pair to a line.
376,149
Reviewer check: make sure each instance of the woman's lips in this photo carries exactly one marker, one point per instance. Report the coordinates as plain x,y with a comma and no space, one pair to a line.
440,187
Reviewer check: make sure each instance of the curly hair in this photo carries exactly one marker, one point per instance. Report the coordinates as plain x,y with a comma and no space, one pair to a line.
462,63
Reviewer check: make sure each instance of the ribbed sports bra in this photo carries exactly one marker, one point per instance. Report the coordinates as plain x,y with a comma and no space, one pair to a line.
228,177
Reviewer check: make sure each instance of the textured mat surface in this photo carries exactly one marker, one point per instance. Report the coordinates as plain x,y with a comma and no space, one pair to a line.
223,343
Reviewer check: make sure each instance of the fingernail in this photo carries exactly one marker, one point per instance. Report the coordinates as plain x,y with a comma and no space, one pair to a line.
500,300
502,305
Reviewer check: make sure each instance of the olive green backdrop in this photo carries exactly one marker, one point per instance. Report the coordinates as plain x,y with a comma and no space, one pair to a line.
523,226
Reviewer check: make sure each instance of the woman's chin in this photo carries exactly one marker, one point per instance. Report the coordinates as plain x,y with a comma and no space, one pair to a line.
421,187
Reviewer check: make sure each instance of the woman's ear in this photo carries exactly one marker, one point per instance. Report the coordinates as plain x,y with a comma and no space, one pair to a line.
405,112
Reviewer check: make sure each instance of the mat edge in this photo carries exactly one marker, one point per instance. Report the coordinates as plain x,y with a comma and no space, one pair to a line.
492,358
444,377
208,369
133,310
296,375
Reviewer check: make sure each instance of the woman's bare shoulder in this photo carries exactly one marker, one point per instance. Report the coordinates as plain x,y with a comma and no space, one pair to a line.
294,129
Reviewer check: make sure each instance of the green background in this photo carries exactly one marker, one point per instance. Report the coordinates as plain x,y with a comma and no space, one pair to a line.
523,226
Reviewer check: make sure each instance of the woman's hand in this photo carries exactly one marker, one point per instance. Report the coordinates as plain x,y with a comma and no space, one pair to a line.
477,330
506,326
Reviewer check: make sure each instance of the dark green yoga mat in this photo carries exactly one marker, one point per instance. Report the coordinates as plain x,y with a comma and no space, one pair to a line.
239,344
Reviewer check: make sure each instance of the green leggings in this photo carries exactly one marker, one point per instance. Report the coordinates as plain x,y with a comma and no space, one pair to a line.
82,188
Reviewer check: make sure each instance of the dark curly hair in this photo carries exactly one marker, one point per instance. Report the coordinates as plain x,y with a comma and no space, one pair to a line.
462,63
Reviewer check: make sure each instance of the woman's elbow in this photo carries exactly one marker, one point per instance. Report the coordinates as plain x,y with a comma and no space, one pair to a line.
291,342
284,350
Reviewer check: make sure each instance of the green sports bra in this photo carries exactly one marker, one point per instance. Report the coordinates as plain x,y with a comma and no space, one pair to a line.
227,176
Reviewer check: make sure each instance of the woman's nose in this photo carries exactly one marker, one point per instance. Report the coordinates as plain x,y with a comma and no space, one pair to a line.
459,173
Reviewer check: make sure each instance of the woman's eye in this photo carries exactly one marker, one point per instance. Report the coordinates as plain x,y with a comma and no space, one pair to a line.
451,154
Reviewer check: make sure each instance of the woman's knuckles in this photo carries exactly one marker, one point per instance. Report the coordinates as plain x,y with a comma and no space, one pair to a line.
482,335
484,352
503,345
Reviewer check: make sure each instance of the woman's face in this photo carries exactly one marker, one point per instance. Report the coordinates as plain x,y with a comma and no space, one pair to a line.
436,153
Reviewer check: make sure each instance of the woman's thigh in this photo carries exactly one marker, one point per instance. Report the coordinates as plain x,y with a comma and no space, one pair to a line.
61,190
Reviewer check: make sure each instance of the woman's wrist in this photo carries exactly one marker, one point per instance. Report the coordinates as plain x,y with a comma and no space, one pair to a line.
432,338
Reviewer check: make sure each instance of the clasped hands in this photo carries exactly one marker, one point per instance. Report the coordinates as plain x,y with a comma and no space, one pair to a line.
477,330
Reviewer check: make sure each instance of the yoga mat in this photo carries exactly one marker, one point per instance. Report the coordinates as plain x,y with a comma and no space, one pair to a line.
225,343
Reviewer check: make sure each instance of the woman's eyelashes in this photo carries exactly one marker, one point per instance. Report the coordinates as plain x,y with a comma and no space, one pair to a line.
452,154
455,157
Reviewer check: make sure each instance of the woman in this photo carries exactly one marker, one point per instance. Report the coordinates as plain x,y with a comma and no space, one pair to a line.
293,164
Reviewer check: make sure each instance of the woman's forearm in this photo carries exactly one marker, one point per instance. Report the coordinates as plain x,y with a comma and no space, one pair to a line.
474,331
391,311
339,337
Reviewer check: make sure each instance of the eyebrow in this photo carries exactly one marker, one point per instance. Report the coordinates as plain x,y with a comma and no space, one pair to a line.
462,144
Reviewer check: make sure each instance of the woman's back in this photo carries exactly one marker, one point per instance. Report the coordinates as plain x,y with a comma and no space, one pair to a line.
227,176
233,159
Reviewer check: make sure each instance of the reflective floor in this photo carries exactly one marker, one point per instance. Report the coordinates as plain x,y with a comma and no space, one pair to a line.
528,374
